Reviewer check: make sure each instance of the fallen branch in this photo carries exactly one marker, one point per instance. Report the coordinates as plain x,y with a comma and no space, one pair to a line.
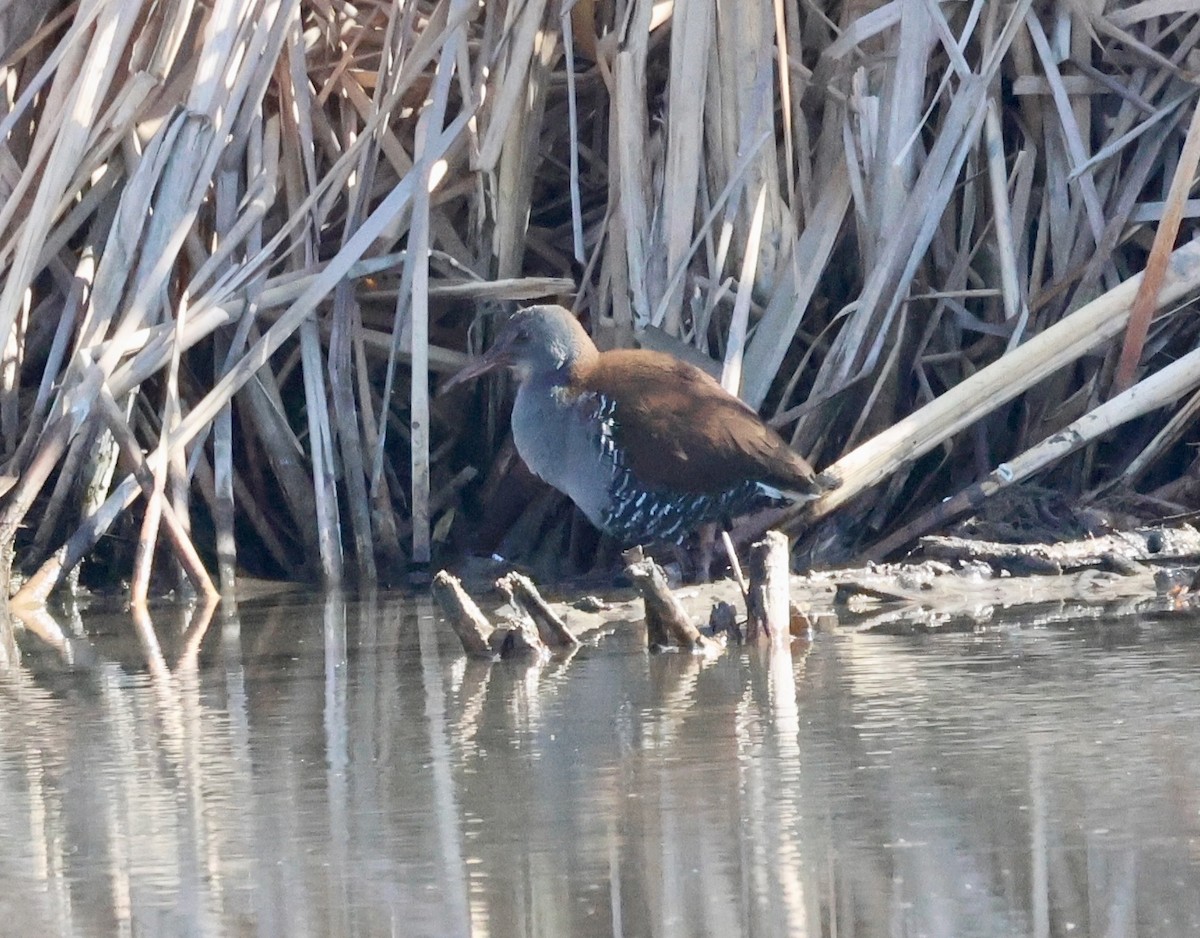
1145,544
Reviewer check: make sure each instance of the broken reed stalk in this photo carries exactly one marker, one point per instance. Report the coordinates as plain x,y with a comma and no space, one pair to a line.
987,389
1146,301
469,623
768,606
521,591
1158,390
667,622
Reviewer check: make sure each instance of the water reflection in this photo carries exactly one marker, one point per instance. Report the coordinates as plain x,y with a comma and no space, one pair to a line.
337,768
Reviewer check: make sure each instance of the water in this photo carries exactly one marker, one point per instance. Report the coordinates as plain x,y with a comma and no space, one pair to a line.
338,768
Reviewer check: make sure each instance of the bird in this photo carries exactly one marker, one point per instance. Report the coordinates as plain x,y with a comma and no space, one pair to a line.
648,446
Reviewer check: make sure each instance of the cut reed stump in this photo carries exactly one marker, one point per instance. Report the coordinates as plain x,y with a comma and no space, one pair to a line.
767,598
667,622
479,639
537,634
519,590
469,623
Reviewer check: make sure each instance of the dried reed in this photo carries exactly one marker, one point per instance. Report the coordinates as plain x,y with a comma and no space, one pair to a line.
242,240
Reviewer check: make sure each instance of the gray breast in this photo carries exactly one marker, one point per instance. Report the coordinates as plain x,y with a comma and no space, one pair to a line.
559,437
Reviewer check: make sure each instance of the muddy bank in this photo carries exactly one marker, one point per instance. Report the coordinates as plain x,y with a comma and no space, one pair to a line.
1147,571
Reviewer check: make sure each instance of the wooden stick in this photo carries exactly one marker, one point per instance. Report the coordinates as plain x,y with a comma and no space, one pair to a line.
767,603
734,566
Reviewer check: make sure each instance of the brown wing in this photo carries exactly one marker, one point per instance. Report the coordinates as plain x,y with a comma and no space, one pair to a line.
681,430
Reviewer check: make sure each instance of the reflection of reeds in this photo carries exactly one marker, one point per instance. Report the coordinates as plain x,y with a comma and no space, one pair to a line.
337,774
263,224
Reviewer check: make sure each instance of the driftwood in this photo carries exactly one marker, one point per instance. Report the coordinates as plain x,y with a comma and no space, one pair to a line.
1125,551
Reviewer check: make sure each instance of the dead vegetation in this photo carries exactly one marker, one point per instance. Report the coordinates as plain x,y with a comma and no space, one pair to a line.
243,238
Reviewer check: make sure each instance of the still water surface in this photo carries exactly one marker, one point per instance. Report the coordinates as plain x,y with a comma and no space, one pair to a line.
338,768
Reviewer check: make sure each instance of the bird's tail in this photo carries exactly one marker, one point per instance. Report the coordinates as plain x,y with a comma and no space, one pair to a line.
817,486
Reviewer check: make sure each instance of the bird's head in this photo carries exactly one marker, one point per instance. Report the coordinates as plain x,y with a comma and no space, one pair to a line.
537,340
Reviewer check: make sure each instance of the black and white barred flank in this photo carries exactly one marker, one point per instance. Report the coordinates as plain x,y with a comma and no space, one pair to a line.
636,514
643,515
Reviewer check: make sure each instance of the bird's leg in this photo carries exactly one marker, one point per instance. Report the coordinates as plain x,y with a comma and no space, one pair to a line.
702,553
683,560
706,548
733,561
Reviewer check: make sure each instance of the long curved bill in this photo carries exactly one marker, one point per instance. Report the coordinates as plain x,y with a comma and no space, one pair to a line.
496,357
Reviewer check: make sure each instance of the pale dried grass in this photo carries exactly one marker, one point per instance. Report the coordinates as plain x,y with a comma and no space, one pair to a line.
241,239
